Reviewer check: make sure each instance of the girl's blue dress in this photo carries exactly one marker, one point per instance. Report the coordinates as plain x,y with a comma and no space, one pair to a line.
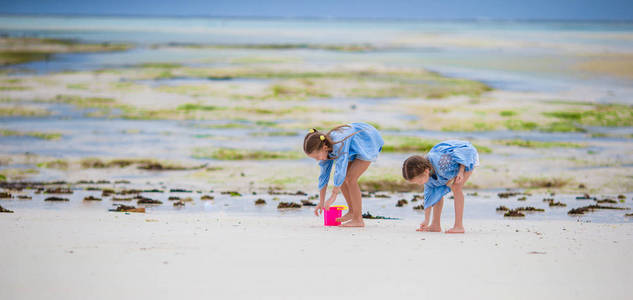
446,158
365,145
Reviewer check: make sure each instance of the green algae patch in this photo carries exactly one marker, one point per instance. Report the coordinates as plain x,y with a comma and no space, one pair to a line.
407,144
17,50
608,115
539,144
54,164
23,111
242,154
35,134
542,182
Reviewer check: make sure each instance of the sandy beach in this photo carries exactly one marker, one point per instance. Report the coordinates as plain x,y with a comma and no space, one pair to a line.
88,254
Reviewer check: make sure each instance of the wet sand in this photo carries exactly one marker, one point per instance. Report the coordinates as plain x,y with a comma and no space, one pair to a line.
84,254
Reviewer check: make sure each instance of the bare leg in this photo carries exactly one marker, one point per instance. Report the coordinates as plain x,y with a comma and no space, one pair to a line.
437,214
459,205
357,168
348,216
424,226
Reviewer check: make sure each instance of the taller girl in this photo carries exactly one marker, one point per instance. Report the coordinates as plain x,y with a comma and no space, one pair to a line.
352,148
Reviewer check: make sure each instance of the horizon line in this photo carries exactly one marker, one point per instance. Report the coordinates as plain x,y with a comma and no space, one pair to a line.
255,17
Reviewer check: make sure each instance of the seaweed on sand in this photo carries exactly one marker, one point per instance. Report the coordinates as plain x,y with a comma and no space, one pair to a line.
58,190
419,207
367,215
4,210
232,193
529,209
590,208
144,200
307,203
401,202
91,198
260,201
5,195
508,194
607,200
288,205
207,197
514,213
179,203
502,208
128,208
56,199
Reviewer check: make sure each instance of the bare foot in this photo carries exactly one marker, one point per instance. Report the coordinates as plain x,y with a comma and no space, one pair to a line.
423,227
354,223
456,230
346,217
434,228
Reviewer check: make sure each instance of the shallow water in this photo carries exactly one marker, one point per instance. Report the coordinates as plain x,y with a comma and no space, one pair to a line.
526,56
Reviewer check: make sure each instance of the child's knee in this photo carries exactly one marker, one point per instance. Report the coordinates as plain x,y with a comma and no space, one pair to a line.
350,180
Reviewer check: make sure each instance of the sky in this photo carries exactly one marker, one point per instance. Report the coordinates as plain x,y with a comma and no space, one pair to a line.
613,10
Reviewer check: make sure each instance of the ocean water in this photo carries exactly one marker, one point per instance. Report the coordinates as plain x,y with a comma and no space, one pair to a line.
519,56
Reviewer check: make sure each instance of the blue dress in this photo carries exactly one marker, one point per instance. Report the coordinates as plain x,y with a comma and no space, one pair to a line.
445,158
364,145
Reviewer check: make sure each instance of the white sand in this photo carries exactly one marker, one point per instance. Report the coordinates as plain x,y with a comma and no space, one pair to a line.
89,254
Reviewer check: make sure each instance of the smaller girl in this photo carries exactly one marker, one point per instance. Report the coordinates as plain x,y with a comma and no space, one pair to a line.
447,166
352,148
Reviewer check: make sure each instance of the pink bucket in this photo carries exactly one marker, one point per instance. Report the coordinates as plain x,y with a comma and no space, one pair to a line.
330,215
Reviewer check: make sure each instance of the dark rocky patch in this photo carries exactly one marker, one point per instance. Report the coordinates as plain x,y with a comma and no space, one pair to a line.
607,200
513,213
502,208
129,192
128,208
121,199
402,202
56,199
508,194
367,215
288,205
58,190
307,203
4,210
529,209
145,200
107,192
589,208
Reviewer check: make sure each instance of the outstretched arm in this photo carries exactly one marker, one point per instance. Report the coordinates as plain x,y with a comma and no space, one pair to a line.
319,207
